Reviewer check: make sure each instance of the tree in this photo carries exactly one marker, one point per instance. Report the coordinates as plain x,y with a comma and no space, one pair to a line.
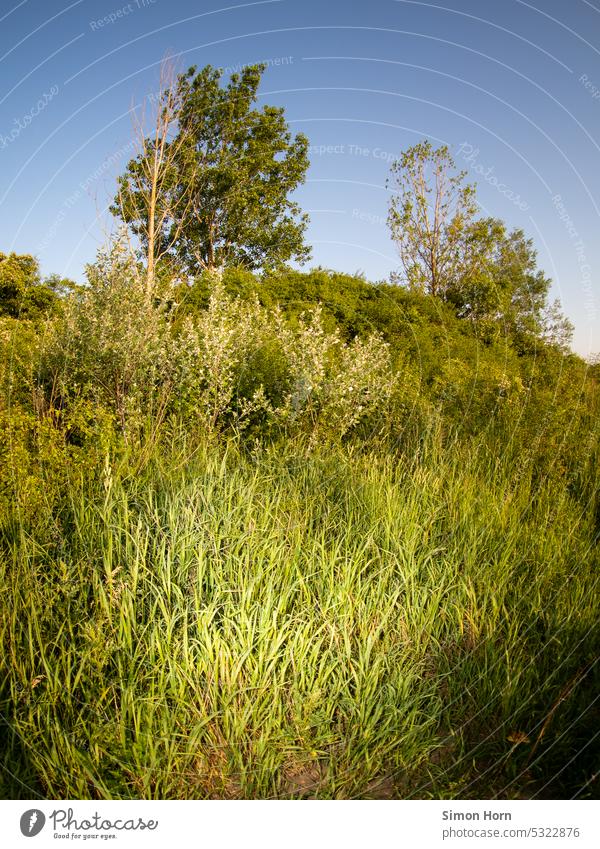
429,214
63,287
498,279
557,329
488,274
527,288
593,362
147,200
231,169
22,293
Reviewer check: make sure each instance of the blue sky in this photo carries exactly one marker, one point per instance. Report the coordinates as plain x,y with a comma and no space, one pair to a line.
513,88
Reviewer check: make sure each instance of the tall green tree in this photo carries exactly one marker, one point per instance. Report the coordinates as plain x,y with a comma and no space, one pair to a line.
487,273
231,170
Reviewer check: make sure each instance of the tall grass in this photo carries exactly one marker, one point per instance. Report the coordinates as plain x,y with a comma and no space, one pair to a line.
291,622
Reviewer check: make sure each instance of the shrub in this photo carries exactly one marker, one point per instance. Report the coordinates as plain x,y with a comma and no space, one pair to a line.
110,345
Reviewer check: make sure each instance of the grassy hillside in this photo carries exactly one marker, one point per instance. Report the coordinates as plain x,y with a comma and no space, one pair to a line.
245,557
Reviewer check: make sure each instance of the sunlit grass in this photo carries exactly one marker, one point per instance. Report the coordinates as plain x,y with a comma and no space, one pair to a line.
295,623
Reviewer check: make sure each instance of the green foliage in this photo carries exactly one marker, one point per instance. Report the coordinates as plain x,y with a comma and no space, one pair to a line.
22,294
430,215
63,287
230,177
110,346
239,360
488,274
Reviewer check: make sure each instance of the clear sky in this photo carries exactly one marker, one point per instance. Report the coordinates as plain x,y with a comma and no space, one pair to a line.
512,87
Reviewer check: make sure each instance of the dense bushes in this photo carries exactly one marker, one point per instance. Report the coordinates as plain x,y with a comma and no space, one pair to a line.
232,365
543,402
325,355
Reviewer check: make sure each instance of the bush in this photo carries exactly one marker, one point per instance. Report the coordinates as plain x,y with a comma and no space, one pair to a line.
110,346
239,361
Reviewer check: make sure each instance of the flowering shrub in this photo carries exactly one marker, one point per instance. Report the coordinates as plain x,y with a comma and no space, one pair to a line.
311,380
235,365
213,357
333,384
361,385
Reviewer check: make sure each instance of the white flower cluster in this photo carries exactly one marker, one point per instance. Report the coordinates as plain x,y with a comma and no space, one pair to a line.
212,354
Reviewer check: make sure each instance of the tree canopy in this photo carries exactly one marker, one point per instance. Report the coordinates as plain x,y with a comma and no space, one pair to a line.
22,292
486,272
229,171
